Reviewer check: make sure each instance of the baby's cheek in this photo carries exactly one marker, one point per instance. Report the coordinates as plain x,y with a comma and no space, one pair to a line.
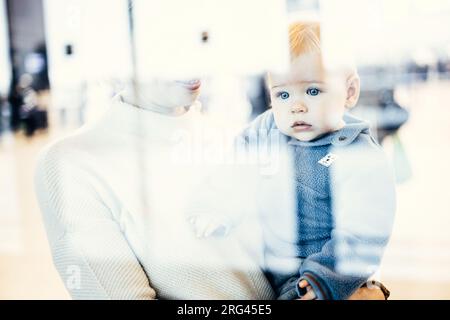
332,119
282,121
329,121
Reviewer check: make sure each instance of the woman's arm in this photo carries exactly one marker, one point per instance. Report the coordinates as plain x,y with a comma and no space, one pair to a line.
89,250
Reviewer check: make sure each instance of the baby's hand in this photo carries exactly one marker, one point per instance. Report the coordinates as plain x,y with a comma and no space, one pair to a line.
207,225
310,294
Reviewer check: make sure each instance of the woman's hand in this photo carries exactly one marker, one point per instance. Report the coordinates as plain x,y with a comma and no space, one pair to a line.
365,293
310,294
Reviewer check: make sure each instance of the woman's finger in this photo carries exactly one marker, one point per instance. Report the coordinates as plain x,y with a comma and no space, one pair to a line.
303,284
310,295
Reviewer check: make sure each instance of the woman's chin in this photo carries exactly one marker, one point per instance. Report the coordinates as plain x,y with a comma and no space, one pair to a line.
191,97
186,101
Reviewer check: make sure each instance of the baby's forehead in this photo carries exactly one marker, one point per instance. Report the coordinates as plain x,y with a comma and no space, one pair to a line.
307,77
304,68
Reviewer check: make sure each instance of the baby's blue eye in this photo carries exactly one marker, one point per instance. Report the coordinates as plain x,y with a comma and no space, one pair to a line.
313,92
284,95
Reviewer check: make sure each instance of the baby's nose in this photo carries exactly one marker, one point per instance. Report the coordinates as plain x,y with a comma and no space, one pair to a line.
299,108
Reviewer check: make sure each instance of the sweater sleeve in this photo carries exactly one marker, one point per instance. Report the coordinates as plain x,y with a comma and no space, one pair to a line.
90,252
363,212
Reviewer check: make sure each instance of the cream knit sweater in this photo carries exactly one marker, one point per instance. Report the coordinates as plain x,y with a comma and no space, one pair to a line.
112,197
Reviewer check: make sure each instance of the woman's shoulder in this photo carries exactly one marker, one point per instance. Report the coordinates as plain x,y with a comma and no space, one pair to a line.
62,146
68,152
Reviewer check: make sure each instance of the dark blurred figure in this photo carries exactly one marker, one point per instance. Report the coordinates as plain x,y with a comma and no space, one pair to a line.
443,68
15,100
3,104
420,72
37,65
391,115
24,107
258,95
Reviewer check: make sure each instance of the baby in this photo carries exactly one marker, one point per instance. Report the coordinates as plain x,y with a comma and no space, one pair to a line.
327,213
343,188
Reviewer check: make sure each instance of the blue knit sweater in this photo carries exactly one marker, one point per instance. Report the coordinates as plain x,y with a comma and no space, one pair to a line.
344,207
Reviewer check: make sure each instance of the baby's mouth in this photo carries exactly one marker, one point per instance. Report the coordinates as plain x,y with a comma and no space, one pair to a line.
301,126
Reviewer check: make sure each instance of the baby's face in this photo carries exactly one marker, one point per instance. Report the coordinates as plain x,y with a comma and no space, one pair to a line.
308,102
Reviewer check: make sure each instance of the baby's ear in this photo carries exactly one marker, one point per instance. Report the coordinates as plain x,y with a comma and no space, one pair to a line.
353,91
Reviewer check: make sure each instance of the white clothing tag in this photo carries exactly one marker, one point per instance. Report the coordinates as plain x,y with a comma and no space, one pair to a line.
328,160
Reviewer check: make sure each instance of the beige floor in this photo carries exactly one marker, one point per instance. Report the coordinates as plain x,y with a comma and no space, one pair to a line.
416,265
26,270
417,262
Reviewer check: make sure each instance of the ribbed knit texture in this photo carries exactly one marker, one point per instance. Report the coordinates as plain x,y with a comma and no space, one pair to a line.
112,199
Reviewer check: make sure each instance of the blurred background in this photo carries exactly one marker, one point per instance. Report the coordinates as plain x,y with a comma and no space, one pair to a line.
61,62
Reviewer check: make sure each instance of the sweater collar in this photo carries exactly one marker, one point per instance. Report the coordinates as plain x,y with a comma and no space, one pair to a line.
345,136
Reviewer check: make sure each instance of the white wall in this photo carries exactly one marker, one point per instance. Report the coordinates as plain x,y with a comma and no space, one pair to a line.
385,31
245,37
5,66
99,32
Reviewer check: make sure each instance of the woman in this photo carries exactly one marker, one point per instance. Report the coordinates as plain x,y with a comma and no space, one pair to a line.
112,197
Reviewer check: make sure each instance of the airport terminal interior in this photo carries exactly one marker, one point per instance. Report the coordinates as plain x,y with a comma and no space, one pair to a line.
60,62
